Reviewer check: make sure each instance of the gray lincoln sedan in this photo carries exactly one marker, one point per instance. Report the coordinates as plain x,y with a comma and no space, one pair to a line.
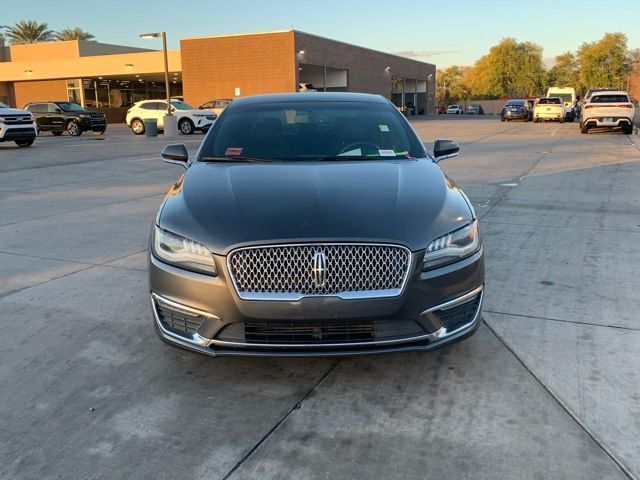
314,224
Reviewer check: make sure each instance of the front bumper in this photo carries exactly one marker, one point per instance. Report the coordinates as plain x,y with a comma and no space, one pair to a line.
204,314
11,133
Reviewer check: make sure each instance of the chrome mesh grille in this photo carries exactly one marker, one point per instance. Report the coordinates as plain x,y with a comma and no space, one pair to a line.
291,270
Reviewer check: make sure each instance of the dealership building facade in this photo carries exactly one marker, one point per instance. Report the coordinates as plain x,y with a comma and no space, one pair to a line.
113,77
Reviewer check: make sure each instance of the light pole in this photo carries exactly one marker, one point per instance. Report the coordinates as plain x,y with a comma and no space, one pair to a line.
163,35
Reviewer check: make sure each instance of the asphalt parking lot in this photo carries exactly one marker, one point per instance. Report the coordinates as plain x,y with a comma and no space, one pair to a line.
547,389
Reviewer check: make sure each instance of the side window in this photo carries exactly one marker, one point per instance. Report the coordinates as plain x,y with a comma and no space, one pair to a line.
30,108
207,105
52,108
147,106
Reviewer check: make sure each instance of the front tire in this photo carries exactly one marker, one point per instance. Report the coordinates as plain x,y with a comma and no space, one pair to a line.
584,129
186,126
627,129
24,143
74,129
137,126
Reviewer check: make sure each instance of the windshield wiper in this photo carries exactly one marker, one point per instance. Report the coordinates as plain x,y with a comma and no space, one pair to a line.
337,158
235,158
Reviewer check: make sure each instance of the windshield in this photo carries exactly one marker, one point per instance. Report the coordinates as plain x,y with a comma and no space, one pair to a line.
515,103
2,105
180,105
550,101
69,106
566,97
315,130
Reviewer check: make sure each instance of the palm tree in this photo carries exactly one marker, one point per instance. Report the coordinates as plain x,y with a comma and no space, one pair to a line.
75,33
28,31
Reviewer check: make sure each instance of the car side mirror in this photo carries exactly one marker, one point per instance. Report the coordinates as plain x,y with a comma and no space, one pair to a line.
175,153
443,148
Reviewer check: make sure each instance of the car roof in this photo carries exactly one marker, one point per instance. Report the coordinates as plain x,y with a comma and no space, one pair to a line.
310,97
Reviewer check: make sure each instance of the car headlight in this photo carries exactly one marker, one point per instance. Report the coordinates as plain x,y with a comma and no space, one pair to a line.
182,252
452,247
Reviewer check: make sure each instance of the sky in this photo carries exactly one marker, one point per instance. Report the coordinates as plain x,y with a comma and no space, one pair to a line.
449,32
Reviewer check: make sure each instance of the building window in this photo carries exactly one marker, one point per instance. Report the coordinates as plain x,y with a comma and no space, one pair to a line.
322,78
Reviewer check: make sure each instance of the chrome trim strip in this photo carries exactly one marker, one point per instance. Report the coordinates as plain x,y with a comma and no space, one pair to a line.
293,297
455,301
429,336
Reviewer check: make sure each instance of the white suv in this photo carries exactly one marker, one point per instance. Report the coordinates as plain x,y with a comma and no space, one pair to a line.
189,119
17,126
610,109
455,109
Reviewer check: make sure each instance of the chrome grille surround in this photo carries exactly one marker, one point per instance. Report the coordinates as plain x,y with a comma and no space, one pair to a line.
286,272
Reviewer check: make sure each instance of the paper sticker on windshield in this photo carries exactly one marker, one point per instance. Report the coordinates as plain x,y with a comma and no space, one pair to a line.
233,151
387,153
384,128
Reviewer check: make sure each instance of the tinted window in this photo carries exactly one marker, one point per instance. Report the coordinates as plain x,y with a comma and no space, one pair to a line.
153,106
311,130
52,108
550,101
515,103
610,99
180,105
69,106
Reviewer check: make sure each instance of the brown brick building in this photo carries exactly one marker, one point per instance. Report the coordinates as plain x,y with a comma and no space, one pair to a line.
112,77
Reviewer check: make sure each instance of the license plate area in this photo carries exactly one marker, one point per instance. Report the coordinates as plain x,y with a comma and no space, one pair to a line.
607,120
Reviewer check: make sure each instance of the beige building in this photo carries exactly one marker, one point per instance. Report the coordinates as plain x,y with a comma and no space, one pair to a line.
113,77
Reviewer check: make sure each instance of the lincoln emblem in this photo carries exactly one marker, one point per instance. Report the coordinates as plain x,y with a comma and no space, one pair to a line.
319,269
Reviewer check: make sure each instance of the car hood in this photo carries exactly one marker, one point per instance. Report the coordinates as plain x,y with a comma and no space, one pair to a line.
13,111
224,206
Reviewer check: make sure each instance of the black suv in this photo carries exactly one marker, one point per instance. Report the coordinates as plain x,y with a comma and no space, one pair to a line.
57,117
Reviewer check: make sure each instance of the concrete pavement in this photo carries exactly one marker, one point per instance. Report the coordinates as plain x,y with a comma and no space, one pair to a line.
548,389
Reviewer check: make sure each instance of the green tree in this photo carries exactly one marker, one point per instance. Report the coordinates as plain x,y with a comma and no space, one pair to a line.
604,63
451,85
565,72
28,31
75,33
510,69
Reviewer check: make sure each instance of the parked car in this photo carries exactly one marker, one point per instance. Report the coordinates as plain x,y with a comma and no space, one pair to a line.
441,109
189,119
549,108
610,109
516,109
17,126
58,116
314,224
216,106
455,109
568,96
475,109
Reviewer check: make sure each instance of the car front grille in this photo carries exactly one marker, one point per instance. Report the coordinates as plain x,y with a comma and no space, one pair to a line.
289,272
334,332
18,120
459,315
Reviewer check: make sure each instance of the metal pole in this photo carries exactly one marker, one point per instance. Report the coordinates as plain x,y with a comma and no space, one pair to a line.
166,71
